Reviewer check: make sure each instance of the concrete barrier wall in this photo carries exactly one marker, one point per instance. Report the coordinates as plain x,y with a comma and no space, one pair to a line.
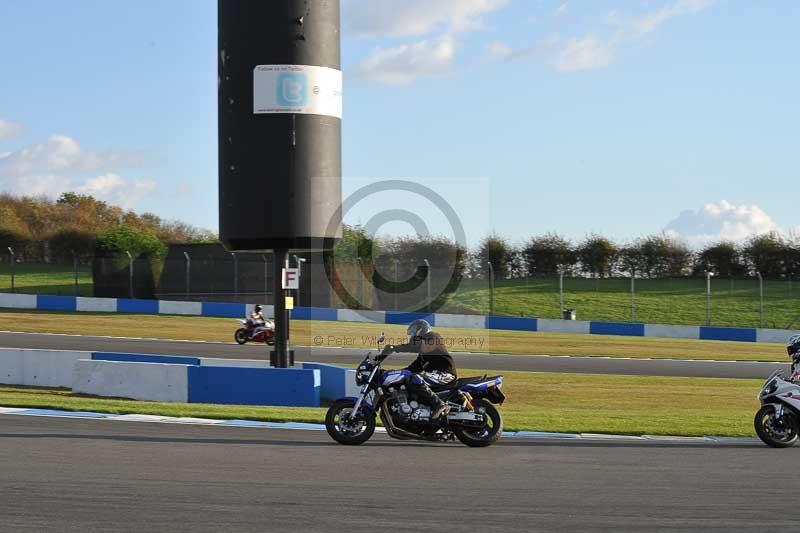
139,381
237,310
38,368
336,381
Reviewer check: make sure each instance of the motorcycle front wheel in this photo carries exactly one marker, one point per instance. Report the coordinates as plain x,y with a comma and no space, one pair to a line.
487,435
344,427
780,432
240,336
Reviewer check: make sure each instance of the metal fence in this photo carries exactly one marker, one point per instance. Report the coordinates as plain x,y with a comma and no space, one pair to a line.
743,302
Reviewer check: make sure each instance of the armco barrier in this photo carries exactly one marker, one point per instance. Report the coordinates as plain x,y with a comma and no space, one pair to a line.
237,310
254,386
38,368
140,381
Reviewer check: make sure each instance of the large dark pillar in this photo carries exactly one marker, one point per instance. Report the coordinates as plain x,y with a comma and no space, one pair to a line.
280,111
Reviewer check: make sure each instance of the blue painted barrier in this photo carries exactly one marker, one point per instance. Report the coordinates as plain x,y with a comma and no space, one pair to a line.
616,328
315,313
254,386
712,333
125,305
224,310
333,380
146,358
399,317
56,303
511,323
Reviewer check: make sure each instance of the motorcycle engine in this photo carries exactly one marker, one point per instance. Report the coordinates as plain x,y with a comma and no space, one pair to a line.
409,410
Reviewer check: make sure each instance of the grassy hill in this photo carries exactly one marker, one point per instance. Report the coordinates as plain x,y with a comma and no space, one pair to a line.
661,301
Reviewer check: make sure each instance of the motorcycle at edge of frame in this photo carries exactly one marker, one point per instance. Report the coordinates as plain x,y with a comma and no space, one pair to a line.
473,419
777,422
250,332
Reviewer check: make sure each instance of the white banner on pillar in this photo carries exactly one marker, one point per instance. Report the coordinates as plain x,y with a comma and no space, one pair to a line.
300,89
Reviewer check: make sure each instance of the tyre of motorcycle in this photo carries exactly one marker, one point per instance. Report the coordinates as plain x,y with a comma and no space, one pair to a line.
346,430
240,336
485,436
778,433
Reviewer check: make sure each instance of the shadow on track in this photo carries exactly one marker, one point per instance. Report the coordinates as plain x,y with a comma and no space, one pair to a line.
628,444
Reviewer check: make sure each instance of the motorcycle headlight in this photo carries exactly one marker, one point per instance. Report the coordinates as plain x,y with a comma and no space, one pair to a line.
770,388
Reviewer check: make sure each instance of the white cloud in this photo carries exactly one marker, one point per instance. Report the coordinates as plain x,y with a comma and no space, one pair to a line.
720,221
500,50
60,164
114,189
651,21
402,18
584,54
562,8
8,129
401,65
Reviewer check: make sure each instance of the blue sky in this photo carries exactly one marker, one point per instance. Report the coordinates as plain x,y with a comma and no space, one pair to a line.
618,117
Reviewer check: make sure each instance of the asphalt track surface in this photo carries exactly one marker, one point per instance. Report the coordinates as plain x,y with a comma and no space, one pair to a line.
100,475
350,356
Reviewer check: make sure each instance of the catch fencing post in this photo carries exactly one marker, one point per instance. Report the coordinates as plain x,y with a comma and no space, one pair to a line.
75,271
427,283
708,297
561,291
13,266
633,296
298,262
761,298
130,274
396,262
491,288
188,273
361,282
266,277
235,276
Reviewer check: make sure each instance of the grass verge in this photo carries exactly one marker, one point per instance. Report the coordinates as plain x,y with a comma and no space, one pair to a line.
536,401
362,335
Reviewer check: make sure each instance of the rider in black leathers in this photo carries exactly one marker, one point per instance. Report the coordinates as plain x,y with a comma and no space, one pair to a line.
432,365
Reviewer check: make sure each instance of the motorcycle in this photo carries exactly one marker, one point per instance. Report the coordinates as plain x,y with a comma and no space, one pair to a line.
777,422
261,333
472,419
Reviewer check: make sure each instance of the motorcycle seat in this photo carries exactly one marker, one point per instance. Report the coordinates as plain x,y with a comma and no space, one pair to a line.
460,382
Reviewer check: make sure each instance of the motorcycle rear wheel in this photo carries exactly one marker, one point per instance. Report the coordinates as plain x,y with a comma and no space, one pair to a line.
240,336
781,433
486,436
345,430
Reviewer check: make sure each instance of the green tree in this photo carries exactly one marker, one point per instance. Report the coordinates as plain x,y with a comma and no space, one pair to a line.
596,255
496,250
548,255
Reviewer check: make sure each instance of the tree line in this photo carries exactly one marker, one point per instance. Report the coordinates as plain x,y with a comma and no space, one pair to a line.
39,229
772,255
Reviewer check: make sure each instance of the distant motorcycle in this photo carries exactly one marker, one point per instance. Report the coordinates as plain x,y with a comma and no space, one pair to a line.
777,423
252,332
472,419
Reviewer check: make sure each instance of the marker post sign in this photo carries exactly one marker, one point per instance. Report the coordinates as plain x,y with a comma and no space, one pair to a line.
290,279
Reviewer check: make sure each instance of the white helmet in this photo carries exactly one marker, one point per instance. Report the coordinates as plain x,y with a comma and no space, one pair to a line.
793,348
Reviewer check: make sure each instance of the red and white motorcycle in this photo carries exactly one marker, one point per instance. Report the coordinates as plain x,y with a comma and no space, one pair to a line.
255,332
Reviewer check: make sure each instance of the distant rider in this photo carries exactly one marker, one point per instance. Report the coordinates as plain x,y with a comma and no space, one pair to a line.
793,348
256,320
433,364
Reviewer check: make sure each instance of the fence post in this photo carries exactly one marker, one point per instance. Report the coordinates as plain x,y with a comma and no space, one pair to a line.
491,288
361,283
188,273
13,263
235,276
75,271
266,286
708,297
396,262
130,274
561,292
427,284
633,295
760,298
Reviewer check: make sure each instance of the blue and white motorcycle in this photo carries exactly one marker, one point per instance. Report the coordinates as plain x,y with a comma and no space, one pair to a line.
473,419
